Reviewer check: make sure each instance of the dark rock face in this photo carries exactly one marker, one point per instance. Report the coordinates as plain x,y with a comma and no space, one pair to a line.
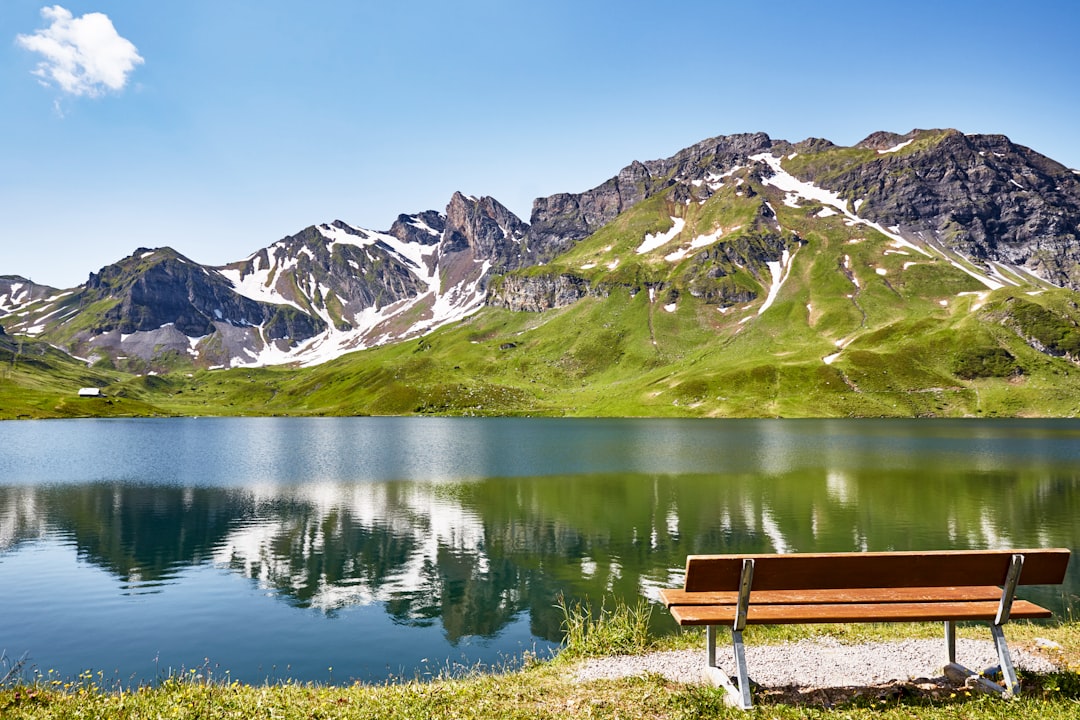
711,275
158,287
289,323
488,229
715,155
813,145
880,140
541,292
425,228
982,195
559,221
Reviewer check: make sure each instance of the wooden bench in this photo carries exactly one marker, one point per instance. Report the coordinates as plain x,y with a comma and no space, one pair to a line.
946,586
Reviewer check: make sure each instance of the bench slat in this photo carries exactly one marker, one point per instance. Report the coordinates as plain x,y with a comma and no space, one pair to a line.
853,612
678,596
803,571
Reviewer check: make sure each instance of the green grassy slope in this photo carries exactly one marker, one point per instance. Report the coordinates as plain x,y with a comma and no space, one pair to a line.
37,380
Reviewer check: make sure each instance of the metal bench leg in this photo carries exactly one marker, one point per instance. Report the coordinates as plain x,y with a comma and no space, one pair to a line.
953,670
740,668
1012,684
1008,672
1008,590
710,646
713,673
982,681
738,695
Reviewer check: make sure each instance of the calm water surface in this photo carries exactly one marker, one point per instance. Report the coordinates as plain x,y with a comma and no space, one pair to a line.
340,549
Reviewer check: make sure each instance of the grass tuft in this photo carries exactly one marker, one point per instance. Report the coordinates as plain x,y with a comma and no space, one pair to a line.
623,630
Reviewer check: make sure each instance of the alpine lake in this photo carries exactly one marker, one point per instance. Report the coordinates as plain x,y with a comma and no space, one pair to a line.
336,550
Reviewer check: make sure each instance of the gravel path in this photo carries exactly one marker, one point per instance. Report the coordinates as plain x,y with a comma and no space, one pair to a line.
822,662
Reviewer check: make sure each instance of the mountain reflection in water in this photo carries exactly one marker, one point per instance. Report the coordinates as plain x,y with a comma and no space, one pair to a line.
474,556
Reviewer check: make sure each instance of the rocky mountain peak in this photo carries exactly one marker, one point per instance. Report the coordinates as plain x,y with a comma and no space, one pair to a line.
17,291
883,140
487,228
118,276
813,145
559,221
715,155
423,228
156,287
980,195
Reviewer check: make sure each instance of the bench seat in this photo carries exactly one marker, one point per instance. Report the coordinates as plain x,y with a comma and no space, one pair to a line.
804,613
678,596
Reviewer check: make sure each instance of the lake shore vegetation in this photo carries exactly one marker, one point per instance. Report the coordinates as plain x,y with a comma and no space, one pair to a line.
548,688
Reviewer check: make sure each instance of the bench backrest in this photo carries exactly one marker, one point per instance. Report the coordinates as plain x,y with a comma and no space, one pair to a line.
830,571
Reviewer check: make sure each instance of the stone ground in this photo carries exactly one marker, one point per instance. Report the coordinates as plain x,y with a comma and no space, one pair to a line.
824,671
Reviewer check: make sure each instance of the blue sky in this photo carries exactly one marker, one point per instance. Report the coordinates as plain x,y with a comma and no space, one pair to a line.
219,126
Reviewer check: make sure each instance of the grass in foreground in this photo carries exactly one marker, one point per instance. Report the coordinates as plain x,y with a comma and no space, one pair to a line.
548,689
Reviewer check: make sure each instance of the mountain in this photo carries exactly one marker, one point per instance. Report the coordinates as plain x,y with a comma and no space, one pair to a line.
981,200
329,289
17,291
927,262
981,196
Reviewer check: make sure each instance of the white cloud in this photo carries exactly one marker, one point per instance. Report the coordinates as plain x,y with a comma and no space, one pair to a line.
84,55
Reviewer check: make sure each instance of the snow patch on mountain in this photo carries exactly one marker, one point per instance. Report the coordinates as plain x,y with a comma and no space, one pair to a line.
715,181
988,282
421,225
652,242
257,285
780,269
896,148
414,254
697,243
17,294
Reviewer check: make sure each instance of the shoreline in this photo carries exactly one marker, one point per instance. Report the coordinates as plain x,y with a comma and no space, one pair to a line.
633,687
